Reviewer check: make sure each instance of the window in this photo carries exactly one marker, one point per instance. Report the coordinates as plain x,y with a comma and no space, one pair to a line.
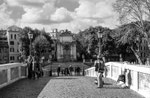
6,50
141,54
15,36
12,58
141,48
11,36
11,49
11,42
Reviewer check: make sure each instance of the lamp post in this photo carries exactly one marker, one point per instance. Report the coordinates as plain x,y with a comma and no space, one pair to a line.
148,58
83,58
30,35
50,59
100,35
138,45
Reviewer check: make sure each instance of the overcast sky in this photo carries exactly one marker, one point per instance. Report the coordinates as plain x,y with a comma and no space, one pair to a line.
74,15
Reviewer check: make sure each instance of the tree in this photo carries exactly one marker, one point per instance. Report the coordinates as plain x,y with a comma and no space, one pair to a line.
108,46
40,44
108,43
87,40
135,11
129,35
81,44
25,42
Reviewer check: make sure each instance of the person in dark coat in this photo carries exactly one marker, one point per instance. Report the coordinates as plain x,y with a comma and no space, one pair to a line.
58,70
70,70
99,68
78,70
29,65
35,71
41,68
63,71
66,71
75,70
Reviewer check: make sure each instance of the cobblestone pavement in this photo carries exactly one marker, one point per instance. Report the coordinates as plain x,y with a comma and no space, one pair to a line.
84,87
65,87
24,88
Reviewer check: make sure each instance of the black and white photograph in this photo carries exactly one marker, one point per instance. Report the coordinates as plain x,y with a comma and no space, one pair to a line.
74,48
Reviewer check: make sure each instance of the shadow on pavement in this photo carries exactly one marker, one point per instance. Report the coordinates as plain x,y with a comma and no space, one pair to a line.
64,78
25,88
108,84
111,88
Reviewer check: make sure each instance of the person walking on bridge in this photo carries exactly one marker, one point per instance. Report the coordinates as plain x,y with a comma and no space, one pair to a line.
29,65
58,70
99,68
70,70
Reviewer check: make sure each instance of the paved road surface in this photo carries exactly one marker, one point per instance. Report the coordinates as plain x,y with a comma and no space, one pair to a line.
65,87
84,87
24,88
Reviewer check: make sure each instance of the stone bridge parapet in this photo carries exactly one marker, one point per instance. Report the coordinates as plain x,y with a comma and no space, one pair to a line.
137,76
12,72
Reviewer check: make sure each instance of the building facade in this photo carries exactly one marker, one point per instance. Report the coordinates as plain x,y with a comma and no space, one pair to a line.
144,51
54,36
4,49
13,43
66,46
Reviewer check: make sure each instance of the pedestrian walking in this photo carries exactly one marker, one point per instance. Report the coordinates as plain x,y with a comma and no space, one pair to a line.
99,68
29,65
70,70
41,68
63,71
78,70
75,70
66,71
35,68
58,70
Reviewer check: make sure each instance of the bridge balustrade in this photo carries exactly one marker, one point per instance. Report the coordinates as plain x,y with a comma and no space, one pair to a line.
12,72
137,76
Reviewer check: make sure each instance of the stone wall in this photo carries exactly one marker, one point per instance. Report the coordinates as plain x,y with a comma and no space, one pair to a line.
12,72
137,76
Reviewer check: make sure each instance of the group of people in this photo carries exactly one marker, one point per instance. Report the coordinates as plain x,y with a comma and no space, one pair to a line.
68,70
34,67
101,70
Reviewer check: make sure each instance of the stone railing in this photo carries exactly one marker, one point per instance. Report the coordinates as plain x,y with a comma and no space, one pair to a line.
137,76
12,72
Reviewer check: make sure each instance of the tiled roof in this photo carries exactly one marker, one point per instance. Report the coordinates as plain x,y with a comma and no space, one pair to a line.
13,28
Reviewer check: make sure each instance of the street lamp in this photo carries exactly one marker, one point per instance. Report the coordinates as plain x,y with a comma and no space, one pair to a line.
83,58
100,35
30,35
50,59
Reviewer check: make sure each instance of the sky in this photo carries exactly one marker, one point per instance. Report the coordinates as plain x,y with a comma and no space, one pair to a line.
74,15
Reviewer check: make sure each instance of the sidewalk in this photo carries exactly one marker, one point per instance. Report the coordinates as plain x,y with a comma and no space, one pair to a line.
84,87
24,88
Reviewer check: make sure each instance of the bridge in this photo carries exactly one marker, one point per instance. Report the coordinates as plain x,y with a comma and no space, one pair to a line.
14,84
